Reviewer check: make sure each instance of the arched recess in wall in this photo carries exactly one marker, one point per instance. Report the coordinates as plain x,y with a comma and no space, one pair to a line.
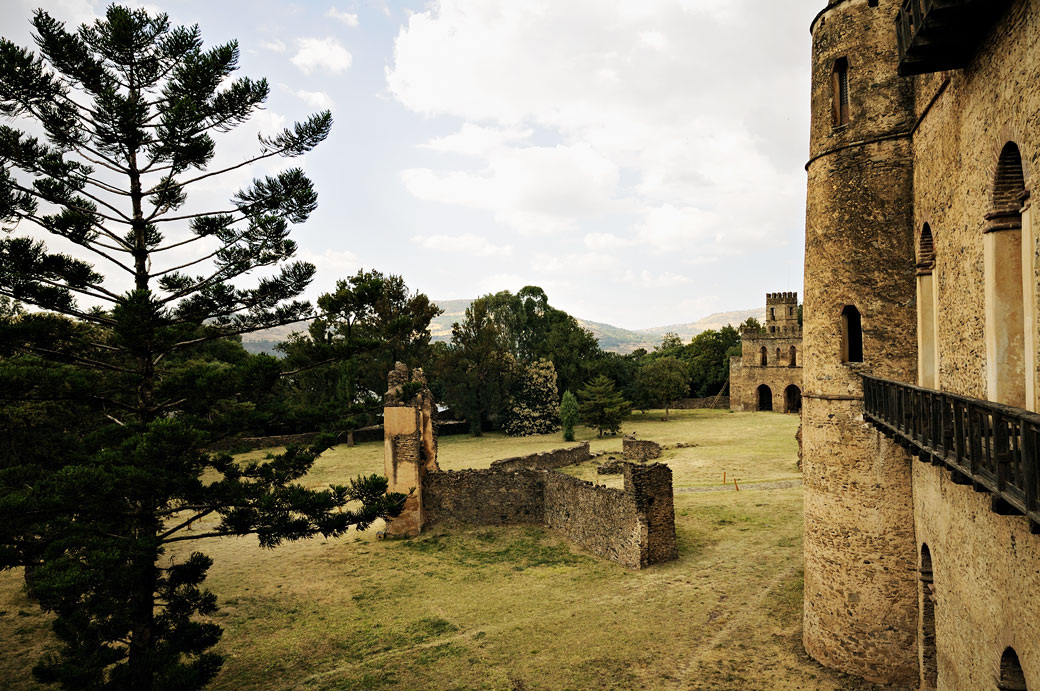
1005,313
792,399
927,305
765,397
1012,678
928,649
851,335
762,357
792,356
777,356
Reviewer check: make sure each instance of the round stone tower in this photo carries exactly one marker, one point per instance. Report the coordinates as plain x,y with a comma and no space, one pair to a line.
860,550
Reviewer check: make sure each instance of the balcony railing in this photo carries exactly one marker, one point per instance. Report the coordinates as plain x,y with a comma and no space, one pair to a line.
936,35
990,446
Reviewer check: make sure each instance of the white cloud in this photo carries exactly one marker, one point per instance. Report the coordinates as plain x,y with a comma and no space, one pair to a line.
666,136
654,279
321,54
275,46
607,241
475,140
316,99
466,243
348,18
570,263
535,190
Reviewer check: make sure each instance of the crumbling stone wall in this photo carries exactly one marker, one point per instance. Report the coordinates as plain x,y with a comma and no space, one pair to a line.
639,449
634,526
546,460
485,497
712,402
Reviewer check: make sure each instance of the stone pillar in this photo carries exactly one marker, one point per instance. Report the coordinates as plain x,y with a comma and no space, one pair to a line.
410,447
651,487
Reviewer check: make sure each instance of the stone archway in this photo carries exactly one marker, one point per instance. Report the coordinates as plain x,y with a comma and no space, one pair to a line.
792,399
765,398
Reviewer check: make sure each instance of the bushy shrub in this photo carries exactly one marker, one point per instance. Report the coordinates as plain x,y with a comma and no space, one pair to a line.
568,415
534,405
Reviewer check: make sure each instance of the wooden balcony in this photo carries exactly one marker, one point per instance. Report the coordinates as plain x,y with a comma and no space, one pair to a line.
992,447
936,35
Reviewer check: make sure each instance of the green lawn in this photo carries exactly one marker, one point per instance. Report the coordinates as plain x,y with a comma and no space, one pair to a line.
518,607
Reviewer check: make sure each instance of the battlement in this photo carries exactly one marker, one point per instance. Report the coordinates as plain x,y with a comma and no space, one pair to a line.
782,298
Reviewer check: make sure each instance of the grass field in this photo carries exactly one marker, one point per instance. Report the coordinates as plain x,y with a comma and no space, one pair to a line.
517,607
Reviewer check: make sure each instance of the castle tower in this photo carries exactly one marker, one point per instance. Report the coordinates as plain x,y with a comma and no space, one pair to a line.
860,553
782,313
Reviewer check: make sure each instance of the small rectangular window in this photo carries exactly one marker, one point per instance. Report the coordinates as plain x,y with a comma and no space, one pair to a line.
840,86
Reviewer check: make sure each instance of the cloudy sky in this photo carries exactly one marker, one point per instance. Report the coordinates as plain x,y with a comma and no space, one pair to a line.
641,160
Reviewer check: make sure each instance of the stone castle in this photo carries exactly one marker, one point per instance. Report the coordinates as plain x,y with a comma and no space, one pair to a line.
767,375
922,265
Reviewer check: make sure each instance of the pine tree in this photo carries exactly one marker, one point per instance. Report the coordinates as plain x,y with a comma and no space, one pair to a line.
568,415
101,380
602,406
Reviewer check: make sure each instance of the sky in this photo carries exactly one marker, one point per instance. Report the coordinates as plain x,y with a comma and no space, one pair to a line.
640,160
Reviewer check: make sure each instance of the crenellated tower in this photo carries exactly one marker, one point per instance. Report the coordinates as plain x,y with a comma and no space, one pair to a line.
782,314
860,552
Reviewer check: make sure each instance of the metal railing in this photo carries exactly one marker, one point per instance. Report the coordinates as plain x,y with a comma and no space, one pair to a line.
991,446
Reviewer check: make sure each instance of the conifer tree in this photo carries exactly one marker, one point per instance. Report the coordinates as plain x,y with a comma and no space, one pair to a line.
568,415
602,406
129,108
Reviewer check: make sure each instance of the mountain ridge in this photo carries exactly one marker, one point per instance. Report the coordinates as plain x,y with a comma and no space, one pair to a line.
611,338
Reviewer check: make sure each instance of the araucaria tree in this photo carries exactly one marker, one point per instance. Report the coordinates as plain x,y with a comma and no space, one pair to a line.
133,283
602,406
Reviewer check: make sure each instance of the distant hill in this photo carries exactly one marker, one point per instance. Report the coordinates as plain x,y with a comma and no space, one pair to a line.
612,338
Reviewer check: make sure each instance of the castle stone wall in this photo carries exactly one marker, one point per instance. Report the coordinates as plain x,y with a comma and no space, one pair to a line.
546,460
745,380
860,584
985,575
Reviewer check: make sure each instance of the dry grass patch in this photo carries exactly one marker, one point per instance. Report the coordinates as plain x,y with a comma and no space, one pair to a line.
518,607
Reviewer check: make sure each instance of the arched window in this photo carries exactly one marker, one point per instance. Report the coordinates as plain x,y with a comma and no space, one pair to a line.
851,335
840,87
1012,678
762,357
927,306
1004,296
777,356
792,357
929,659
772,313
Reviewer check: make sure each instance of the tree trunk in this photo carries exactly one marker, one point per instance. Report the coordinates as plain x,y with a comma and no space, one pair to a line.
141,664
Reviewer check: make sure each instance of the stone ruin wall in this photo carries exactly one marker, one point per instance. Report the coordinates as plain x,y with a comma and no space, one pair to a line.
711,402
546,460
634,527
485,497
410,447
639,449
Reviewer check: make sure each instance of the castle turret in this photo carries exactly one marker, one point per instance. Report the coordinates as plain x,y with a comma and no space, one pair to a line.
860,553
782,313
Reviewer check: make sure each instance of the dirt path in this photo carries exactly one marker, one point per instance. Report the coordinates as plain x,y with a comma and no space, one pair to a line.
781,484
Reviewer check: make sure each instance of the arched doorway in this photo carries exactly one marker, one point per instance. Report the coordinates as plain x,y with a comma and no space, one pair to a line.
1012,678
765,398
792,399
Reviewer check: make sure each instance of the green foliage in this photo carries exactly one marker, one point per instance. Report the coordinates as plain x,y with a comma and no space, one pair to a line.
108,406
707,357
751,325
602,406
336,372
663,380
534,406
568,415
